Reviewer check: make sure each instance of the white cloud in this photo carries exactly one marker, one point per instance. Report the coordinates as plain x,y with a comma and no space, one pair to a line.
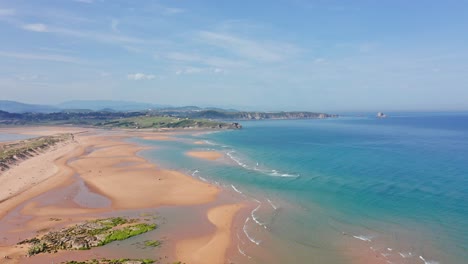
7,12
140,76
33,56
35,27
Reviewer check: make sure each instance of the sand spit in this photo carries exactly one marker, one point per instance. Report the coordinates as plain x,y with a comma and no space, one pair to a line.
208,155
210,249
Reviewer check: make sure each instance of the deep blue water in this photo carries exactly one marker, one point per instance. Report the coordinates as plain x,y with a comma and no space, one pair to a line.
398,183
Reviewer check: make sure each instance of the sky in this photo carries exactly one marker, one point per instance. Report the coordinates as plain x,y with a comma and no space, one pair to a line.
254,55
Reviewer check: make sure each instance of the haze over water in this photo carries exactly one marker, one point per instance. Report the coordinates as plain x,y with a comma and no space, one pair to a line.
338,190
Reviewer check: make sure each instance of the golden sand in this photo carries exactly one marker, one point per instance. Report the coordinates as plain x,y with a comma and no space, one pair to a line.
208,155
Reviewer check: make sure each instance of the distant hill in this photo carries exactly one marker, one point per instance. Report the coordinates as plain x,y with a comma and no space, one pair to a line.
17,107
108,105
105,109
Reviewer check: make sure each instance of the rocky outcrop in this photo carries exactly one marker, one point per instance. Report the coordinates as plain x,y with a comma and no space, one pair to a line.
112,261
87,235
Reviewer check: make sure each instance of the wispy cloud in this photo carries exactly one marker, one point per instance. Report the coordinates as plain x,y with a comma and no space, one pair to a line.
195,70
173,10
30,77
84,1
45,57
35,27
247,48
202,59
114,25
7,12
140,76
97,36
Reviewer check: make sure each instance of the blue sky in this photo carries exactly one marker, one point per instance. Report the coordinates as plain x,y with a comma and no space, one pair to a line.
268,55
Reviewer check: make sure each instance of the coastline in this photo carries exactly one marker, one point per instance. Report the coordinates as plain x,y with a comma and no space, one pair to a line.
109,168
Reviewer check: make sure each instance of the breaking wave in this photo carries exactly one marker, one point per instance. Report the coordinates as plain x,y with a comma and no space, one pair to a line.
247,234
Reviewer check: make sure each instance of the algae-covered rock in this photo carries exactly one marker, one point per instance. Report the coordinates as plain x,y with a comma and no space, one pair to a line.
87,235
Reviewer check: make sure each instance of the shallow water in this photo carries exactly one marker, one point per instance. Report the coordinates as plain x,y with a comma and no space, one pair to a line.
11,137
342,190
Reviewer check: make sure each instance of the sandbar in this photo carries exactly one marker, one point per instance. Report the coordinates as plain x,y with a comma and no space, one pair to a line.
210,249
208,155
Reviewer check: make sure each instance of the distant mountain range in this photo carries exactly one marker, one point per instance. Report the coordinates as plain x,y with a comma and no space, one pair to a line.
104,109
97,105
101,105
17,107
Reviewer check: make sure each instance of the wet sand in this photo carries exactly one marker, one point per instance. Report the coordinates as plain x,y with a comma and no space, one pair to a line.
211,248
110,170
208,155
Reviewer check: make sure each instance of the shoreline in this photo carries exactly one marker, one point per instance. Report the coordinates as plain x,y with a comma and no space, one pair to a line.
103,161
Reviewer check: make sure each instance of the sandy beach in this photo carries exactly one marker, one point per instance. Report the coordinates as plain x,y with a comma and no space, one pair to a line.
208,155
111,172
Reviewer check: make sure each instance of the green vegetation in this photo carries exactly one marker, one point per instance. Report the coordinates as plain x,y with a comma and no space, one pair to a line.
113,120
126,232
11,153
37,248
142,122
112,261
152,243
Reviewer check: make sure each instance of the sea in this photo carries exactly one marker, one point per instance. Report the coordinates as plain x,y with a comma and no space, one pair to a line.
352,189
4,137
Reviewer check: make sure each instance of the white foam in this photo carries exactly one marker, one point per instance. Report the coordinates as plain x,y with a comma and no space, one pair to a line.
195,172
389,249
364,238
255,218
405,255
210,143
235,189
229,154
203,179
247,234
274,173
242,252
428,261
272,205
278,174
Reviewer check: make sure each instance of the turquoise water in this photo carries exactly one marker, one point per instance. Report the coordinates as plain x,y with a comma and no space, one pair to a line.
11,137
343,190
